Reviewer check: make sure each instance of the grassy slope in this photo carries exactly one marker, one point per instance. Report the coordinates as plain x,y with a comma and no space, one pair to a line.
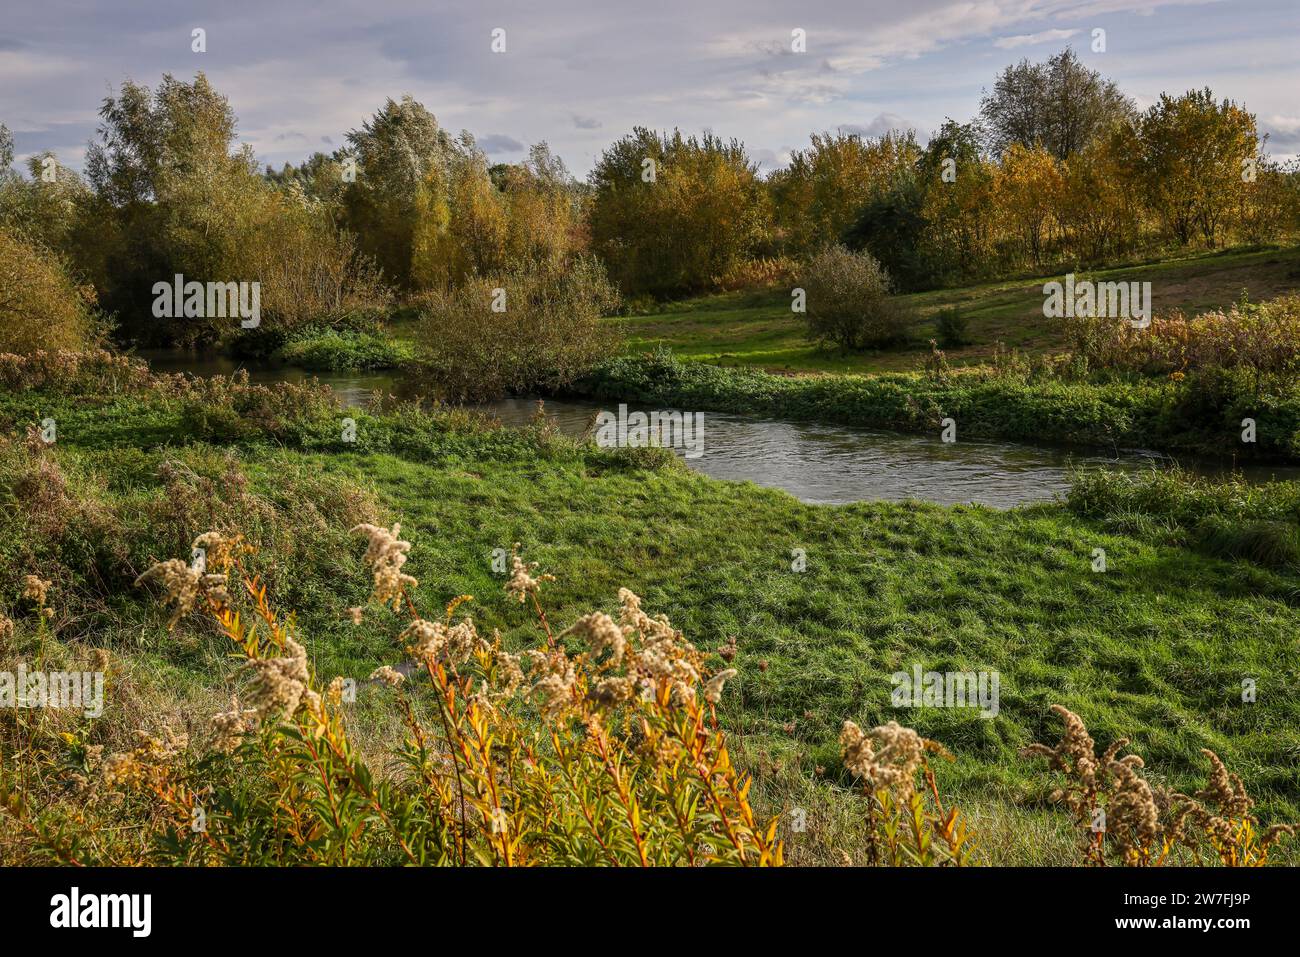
1154,649
758,329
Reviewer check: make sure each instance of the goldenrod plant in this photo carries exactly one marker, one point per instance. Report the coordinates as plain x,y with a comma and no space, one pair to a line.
1122,819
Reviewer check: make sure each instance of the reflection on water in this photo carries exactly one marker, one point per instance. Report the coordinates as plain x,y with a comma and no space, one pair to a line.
815,462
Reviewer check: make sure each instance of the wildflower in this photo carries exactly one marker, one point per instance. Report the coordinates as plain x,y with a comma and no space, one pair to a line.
601,634
279,684
887,756
386,554
219,550
612,691
183,584
354,615
435,640
554,688
6,627
1226,791
230,727
511,673
728,651
388,675
522,582
145,765
36,590
1132,819
713,690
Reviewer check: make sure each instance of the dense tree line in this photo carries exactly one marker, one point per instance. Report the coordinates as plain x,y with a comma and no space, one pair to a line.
1059,168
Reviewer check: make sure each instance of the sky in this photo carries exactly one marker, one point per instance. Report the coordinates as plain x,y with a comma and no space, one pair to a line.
581,73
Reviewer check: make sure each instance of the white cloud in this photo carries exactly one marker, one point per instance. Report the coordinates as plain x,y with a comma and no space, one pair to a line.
1033,39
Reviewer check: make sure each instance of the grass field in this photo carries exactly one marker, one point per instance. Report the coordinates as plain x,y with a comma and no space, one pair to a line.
758,328
1154,649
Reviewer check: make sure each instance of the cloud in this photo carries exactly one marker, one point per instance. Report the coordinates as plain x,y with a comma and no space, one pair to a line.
500,143
322,68
1032,39
882,124
1283,131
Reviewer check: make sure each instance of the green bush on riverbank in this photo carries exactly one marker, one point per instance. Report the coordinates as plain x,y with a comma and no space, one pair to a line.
343,350
1202,413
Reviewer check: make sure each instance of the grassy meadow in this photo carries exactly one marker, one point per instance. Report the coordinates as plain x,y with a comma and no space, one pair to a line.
1154,649
756,328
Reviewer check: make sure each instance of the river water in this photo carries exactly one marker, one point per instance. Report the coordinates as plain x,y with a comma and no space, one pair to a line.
814,462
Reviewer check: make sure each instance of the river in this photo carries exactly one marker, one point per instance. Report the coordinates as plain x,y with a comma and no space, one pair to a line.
812,461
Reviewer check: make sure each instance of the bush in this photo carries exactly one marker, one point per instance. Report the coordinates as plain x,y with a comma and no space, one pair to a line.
1263,338
41,308
336,350
849,302
549,332
950,328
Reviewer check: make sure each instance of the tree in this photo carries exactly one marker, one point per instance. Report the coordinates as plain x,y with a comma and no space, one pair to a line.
6,152
825,188
1098,207
546,329
1060,105
958,210
176,193
41,307
403,159
1191,152
670,214
1028,188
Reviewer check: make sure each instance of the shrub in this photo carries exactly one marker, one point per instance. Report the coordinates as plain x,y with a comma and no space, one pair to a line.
950,328
1263,338
549,332
336,350
41,307
849,302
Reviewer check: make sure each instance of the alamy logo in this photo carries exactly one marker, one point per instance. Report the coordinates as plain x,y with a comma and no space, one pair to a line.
946,689
1086,299
213,300
637,430
81,690
103,910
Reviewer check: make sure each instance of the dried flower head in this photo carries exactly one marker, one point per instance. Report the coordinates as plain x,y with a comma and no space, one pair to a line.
713,690
601,634
219,550
183,584
386,554
279,684
554,682
887,757
448,643
522,583
229,728
145,765
388,675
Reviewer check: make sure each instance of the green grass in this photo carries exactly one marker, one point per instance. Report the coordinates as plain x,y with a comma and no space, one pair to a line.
758,329
1154,649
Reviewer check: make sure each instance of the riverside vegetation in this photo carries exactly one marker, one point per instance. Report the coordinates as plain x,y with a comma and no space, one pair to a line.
296,698
614,737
